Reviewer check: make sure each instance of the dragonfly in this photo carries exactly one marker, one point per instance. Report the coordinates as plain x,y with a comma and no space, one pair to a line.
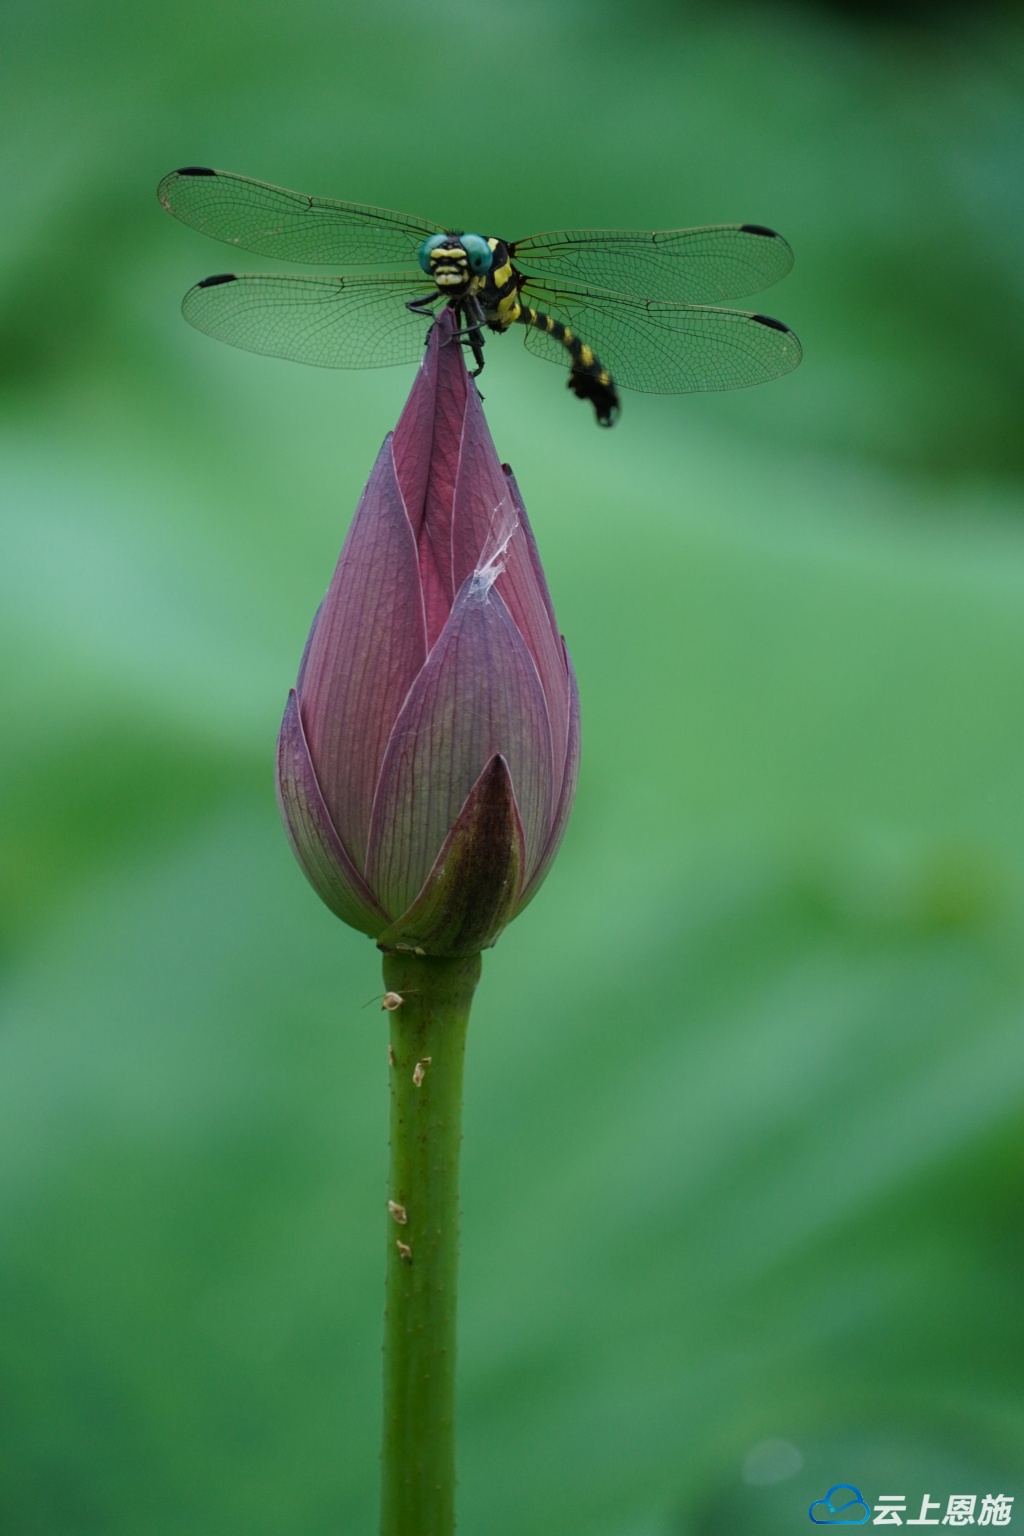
621,308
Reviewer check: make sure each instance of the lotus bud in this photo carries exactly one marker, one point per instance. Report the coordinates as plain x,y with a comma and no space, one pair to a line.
428,756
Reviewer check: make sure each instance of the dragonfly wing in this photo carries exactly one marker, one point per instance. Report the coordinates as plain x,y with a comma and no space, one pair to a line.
702,266
290,226
331,322
662,348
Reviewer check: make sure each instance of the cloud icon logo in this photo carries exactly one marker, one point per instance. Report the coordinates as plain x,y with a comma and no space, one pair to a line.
848,1508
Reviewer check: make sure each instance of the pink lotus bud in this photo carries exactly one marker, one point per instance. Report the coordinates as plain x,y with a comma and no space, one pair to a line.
428,755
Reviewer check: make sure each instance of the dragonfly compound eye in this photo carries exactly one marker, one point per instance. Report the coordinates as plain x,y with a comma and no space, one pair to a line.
478,254
428,246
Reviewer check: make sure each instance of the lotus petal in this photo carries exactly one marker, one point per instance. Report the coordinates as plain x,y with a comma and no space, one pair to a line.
567,794
477,695
365,651
473,887
311,832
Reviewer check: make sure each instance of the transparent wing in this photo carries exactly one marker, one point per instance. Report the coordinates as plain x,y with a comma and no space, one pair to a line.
703,266
290,226
662,348
331,322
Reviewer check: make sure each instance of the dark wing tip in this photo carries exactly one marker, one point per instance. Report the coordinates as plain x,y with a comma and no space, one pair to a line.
745,229
195,170
776,325
231,277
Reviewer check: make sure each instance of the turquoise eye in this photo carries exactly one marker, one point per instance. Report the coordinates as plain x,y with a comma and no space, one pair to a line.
428,246
478,253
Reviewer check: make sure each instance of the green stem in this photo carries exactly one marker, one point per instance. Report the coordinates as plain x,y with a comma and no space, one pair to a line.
428,1037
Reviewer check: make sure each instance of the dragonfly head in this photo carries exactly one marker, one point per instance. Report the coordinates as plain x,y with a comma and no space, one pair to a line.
457,263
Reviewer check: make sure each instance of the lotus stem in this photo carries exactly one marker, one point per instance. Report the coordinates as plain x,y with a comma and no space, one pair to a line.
428,1002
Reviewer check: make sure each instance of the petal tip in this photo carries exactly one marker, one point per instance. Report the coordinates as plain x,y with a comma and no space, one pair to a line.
471,892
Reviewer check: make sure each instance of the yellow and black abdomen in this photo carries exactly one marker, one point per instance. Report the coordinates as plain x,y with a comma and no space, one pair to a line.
588,377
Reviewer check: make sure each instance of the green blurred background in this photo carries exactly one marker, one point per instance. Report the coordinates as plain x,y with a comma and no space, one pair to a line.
743,1158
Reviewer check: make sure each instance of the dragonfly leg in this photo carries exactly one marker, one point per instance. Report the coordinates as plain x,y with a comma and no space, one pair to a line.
470,309
423,306
588,377
465,333
476,342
